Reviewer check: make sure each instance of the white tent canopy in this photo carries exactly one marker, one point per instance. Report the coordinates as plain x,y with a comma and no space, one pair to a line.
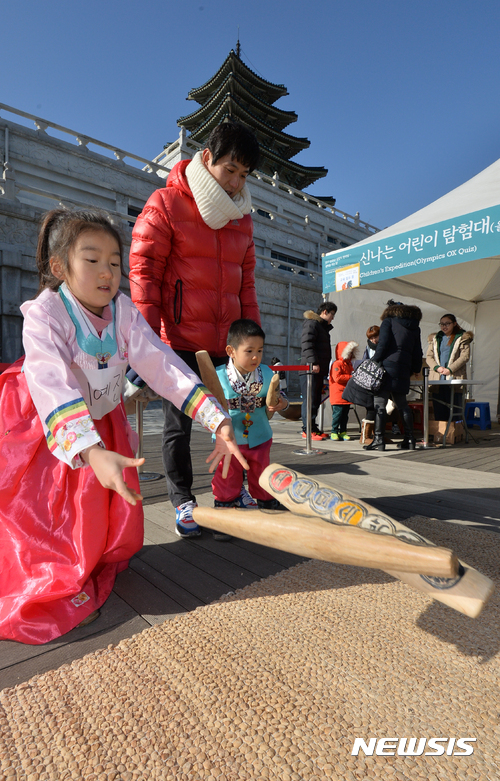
470,289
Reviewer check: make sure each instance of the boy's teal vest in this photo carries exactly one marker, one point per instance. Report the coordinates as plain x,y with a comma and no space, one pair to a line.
254,424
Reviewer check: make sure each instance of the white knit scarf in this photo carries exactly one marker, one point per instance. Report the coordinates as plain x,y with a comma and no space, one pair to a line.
214,204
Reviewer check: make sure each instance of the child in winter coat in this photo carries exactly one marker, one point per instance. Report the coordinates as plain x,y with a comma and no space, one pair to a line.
340,372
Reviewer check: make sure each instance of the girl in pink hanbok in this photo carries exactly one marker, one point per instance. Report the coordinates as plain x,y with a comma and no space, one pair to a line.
70,508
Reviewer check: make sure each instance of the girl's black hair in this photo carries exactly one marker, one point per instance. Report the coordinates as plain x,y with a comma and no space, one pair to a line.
59,230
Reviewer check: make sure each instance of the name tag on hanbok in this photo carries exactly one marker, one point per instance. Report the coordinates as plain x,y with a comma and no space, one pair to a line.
101,388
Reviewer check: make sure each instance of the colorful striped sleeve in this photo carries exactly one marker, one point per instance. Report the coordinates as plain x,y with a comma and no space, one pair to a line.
201,406
70,429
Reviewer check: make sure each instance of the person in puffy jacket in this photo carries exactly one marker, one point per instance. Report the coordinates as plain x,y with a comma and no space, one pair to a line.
340,373
399,350
192,262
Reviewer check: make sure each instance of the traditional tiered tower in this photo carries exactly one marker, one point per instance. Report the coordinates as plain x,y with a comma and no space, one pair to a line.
236,91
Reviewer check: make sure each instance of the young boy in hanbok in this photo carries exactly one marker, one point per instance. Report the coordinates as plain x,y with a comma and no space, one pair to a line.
70,511
245,383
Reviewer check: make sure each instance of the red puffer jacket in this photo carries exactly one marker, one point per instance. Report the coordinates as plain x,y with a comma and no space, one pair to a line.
189,281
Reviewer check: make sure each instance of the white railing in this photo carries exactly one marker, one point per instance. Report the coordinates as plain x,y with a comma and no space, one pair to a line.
83,140
65,202
185,143
355,221
295,269
190,146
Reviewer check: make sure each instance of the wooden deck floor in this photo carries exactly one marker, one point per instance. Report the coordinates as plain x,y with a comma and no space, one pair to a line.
169,576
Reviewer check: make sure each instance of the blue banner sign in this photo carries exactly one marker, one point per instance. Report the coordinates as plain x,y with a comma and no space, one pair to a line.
463,238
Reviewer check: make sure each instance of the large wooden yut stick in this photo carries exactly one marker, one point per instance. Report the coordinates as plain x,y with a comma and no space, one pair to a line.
467,591
317,539
209,377
273,394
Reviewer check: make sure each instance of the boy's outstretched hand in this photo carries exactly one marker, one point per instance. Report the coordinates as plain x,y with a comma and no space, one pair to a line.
108,467
225,447
282,404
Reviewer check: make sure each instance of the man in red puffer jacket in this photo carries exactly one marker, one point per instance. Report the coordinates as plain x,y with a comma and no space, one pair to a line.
192,262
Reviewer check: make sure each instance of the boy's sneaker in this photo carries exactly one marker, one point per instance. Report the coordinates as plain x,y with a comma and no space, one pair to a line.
222,536
185,525
334,436
270,504
245,501
345,436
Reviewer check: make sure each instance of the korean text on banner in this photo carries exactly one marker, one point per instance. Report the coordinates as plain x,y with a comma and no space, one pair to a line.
463,238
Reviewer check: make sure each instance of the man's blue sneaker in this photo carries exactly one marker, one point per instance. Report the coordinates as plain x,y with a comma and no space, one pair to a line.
185,525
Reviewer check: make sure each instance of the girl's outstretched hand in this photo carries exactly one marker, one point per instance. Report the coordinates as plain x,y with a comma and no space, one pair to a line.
108,467
225,447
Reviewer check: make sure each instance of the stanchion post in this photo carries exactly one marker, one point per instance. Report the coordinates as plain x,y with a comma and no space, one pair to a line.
321,412
426,443
426,406
309,450
144,477
139,430
309,408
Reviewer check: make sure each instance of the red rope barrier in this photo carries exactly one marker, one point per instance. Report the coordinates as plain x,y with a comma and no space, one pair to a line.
289,368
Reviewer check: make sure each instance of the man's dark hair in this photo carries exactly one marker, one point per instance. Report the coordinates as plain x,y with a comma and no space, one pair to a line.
241,330
233,138
327,306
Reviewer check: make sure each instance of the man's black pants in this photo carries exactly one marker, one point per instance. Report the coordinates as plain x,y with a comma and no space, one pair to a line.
176,444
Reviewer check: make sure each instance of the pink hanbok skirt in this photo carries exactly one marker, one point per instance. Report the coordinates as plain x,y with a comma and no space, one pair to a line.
63,537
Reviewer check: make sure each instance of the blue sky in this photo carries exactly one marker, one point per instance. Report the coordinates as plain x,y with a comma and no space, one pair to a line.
399,99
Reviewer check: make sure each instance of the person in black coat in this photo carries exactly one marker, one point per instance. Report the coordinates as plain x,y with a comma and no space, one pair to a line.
399,351
316,349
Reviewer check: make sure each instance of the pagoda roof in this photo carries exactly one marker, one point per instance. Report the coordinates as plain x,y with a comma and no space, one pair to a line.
289,172
265,90
236,92
285,145
233,85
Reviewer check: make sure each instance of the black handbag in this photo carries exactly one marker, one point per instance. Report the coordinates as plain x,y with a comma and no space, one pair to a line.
369,375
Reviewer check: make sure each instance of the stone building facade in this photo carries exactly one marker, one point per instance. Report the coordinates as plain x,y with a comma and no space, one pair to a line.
47,165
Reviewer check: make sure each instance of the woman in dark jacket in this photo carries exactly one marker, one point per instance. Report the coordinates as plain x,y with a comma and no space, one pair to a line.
355,393
399,350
